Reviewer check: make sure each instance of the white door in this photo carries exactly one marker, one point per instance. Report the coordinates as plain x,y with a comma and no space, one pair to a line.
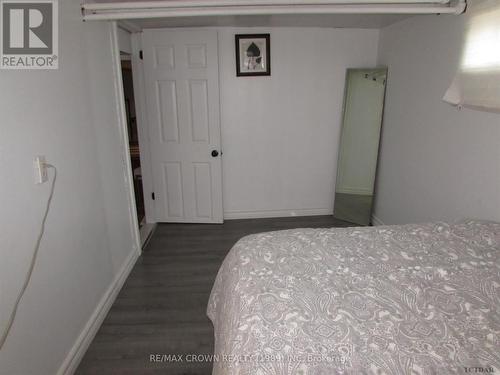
182,95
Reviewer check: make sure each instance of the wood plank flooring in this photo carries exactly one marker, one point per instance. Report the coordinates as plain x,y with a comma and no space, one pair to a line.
162,306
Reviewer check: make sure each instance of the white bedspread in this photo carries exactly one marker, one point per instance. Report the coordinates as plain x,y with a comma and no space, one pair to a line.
413,299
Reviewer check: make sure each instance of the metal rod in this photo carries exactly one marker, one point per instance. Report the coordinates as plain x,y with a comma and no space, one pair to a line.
193,8
227,11
237,3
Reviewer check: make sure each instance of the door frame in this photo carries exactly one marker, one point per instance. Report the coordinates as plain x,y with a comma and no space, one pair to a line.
135,35
124,141
143,127
143,235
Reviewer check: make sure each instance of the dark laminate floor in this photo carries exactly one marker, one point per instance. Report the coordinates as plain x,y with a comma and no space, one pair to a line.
161,308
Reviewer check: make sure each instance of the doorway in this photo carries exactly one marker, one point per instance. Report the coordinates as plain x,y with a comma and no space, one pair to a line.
133,135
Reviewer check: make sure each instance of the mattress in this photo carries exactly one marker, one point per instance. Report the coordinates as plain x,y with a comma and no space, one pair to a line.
411,299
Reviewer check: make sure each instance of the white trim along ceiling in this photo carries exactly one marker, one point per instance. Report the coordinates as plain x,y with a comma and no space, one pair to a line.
123,10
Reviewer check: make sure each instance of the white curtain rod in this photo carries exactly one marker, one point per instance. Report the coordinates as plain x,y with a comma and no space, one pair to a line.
165,9
225,3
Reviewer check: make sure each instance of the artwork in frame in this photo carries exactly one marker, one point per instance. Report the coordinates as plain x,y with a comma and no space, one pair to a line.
253,55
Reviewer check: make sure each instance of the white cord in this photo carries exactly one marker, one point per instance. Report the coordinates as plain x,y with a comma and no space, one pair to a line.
33,261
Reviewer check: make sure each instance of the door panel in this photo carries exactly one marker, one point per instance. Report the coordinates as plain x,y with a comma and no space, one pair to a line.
198,98
203,177
167,104
173,189
182,96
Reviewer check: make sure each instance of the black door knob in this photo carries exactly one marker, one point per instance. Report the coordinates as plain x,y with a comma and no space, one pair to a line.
215,153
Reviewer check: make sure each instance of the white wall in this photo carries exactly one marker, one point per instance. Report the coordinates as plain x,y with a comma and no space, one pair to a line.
280,134
67,115
360,134
437,163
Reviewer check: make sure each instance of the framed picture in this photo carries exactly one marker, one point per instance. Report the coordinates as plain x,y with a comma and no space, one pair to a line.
253,55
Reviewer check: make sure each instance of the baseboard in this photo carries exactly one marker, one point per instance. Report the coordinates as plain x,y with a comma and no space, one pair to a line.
88,333
232,215
146,232
376,221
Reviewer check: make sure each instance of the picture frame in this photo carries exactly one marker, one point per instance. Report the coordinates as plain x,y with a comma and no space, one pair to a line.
253,55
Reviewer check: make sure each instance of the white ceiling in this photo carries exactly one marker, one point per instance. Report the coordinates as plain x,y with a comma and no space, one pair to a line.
365,21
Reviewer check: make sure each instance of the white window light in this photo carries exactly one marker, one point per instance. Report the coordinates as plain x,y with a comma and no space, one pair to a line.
477,83
482,48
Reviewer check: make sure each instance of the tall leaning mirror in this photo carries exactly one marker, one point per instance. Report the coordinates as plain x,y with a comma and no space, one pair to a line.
359,144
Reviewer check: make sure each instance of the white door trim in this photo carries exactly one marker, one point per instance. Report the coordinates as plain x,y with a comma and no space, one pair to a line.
123,130
143,128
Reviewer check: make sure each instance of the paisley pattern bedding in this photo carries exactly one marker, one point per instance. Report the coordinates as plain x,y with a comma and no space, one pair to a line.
411,299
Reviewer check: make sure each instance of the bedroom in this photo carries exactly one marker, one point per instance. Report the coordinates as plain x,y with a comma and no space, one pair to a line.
436,163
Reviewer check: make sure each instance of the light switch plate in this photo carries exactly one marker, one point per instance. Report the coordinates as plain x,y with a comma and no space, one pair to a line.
40,170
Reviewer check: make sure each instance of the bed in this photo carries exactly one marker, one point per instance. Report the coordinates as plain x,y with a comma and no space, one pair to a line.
410,299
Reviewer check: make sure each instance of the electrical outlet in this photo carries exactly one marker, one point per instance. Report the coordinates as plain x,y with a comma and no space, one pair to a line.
40,170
